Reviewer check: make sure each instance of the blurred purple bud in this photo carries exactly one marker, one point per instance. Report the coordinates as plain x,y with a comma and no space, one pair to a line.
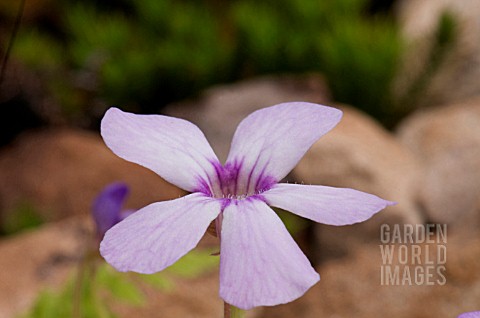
107,207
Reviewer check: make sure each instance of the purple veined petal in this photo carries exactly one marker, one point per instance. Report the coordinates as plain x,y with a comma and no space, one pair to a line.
269,142
107,207
328,205
471,314
260,263
173,148
157,235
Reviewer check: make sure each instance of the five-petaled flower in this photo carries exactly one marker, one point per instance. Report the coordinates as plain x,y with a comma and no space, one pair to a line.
260,263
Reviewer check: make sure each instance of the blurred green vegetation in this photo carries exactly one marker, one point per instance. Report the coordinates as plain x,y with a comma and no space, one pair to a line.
294,223
96,287
24,216
144,54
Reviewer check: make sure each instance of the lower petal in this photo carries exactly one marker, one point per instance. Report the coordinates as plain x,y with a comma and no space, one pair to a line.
328,205
472,314
157,235
260,263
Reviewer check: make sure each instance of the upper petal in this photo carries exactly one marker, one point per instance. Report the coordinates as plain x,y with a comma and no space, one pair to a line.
173,148
328,205
269,142
107,206
260,263
157,235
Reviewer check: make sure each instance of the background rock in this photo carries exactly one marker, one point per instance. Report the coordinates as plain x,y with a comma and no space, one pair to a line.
27,270
358,153
351,287
60,172
447,140
219,111
456,76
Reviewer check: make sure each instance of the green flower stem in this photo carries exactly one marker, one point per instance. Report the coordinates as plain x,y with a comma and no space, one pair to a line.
232,311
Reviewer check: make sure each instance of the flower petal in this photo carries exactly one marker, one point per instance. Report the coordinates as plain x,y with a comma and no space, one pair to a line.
269,142
107,206
471,314
156,236
328,205
260,263
173,148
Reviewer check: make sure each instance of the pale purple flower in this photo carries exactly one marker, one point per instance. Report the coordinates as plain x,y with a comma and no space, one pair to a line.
471,314
260,263
107,207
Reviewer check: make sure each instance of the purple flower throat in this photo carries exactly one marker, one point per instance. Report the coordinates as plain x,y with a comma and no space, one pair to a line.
234,183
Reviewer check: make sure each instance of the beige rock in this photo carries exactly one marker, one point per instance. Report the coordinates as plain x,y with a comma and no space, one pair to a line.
351,287
220,109
447,140
59,173
36,259
457,76
358,153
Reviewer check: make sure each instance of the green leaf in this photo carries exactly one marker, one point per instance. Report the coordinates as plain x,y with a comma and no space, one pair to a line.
293,223
158,281
119,285
45,306
24,216
195,263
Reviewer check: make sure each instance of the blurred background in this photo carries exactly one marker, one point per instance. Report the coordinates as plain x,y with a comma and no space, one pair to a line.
406,74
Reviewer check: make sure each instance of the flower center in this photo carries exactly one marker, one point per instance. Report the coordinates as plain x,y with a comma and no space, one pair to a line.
233,182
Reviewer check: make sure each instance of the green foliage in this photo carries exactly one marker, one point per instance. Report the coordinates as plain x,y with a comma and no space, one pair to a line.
47,305
39,50
158,281
293,223
119,285
360,61
79,298
23,216
95,286
146,53
194,264
359,55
